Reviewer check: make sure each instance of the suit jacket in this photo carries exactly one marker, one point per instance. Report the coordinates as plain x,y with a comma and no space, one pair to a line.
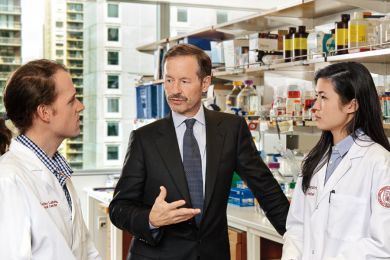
153,159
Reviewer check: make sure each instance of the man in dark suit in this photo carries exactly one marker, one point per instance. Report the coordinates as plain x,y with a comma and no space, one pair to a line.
173,191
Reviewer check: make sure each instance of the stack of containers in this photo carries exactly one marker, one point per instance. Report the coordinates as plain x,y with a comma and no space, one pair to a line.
293,102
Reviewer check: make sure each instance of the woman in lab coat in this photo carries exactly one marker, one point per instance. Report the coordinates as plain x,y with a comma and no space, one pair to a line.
341,205
40,214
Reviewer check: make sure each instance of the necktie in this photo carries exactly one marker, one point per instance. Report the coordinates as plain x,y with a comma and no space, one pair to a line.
193,167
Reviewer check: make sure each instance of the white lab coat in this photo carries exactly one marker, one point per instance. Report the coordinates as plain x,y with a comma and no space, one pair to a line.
344,219
35,219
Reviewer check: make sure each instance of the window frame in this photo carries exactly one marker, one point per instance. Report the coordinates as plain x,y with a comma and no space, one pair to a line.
118,81
107,10
108,34
219,14
106,159
107,112
107,57
118,123
181,9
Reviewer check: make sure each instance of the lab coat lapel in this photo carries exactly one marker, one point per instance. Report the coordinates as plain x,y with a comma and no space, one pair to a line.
214,147
319,177
34,165
357,150
73,196
36,171
339,173
168,148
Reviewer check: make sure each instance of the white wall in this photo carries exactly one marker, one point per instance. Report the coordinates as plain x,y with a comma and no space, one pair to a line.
32,29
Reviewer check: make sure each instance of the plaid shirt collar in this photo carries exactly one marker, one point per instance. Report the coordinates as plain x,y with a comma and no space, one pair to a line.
57,165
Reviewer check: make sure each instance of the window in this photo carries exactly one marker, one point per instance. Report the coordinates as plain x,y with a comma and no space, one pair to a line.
113,34
75,7
222,17
113,10
112,81
113,105
59,53
113,58
112,128
182,15
59,24
112,152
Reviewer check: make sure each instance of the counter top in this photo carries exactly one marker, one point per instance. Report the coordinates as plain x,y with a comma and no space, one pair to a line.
101,195
243,218
247,219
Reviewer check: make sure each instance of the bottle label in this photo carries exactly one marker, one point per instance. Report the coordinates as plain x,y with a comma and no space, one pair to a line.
342,36
300,44
253,105
358,33
288,45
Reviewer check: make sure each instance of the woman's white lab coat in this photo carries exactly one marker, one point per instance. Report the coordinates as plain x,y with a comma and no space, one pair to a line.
35,219
349,217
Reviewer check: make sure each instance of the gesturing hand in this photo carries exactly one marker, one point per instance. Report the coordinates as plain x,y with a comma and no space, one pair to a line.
164,213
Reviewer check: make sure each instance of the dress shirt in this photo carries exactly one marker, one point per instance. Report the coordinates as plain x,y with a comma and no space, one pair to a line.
199,133
338,152
57,165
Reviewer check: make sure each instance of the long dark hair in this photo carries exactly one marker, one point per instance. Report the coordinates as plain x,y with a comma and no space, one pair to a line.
5,135
28,87
350,80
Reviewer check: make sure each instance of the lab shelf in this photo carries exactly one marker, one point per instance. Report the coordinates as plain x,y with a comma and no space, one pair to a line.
374,56
295,14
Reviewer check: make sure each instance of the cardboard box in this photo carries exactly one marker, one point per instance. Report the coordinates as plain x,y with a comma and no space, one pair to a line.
241,197
263,41
236,53
217,56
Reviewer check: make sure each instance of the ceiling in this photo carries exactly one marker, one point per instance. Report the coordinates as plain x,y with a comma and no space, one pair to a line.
252,5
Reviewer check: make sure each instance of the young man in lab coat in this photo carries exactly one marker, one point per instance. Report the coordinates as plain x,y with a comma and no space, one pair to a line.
40,214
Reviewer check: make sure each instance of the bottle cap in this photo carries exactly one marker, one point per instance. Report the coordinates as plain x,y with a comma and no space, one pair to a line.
345,17
292,30
248,82
301,28
273,165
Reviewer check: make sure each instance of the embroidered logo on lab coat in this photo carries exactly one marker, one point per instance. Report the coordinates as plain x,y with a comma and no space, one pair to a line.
311,191
50,204
384,196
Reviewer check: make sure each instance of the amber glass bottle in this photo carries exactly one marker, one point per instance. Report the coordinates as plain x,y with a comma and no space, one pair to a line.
300,43
288,46
342,34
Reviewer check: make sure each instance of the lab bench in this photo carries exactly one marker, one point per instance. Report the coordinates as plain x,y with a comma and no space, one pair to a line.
112,243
